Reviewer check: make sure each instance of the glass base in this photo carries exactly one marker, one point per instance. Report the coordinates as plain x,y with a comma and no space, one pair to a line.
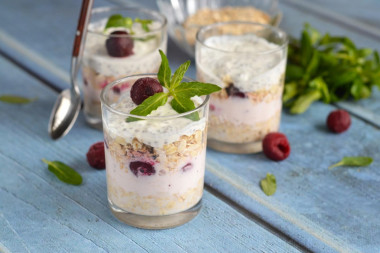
155,222
93,121
235,148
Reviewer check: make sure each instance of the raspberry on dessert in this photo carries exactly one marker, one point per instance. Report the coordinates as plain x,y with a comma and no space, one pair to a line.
276,146
119,44
338,121
141,168
234,92
144,88
212,107
96,156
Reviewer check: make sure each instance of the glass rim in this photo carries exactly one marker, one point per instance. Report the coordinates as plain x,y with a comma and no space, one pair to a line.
281,47
162,26
109,86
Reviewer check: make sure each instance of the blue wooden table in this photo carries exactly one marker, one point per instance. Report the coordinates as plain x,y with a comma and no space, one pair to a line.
313,210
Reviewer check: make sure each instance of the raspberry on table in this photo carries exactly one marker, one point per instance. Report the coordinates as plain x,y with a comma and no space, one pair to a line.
96,156
276,146
144,88
119,44
338,121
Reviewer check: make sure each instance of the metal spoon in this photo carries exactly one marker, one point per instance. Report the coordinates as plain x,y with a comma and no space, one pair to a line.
67,106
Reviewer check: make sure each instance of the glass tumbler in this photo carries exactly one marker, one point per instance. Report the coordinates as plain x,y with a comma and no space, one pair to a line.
155,165
104,62
247,60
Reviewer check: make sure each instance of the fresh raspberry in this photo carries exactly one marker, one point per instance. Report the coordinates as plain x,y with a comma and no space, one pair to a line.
96,157
276,146
119,44
144,88
338,121
141,168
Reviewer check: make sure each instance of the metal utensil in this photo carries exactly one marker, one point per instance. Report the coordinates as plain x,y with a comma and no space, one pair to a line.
67,106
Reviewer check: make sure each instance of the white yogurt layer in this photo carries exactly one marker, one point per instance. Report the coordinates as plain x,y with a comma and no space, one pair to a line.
243,111
144,60
242,61
155,133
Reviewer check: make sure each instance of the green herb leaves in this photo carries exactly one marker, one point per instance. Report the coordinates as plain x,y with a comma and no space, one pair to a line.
64,172
353,161
268,184
181,93
328,68
16,99
118,20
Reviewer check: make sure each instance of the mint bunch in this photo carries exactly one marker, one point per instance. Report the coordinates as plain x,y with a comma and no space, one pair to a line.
181,92
328,68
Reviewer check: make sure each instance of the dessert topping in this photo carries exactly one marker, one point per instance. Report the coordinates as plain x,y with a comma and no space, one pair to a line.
181,92
119,44
144,88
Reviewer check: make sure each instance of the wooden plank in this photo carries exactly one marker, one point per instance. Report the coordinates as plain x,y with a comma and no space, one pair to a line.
314,219
39,213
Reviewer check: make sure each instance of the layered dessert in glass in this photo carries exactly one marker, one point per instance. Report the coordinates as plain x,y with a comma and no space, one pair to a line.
120,42
155,164
247,60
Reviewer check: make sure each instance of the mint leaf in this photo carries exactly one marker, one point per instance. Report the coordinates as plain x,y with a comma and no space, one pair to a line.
164,73
183,104
304,101
178,75
144,23
290,91
268,184
353,161
191,89
64,172
16,99
148,105
118,20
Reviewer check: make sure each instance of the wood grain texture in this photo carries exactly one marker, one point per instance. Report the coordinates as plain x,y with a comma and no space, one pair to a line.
39,213
327,211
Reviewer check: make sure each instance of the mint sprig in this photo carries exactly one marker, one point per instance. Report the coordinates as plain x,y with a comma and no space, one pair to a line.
181,93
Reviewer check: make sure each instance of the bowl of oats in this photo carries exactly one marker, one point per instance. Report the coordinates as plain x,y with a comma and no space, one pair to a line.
186,17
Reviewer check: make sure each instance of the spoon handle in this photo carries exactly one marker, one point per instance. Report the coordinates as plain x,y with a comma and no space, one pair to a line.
85,13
